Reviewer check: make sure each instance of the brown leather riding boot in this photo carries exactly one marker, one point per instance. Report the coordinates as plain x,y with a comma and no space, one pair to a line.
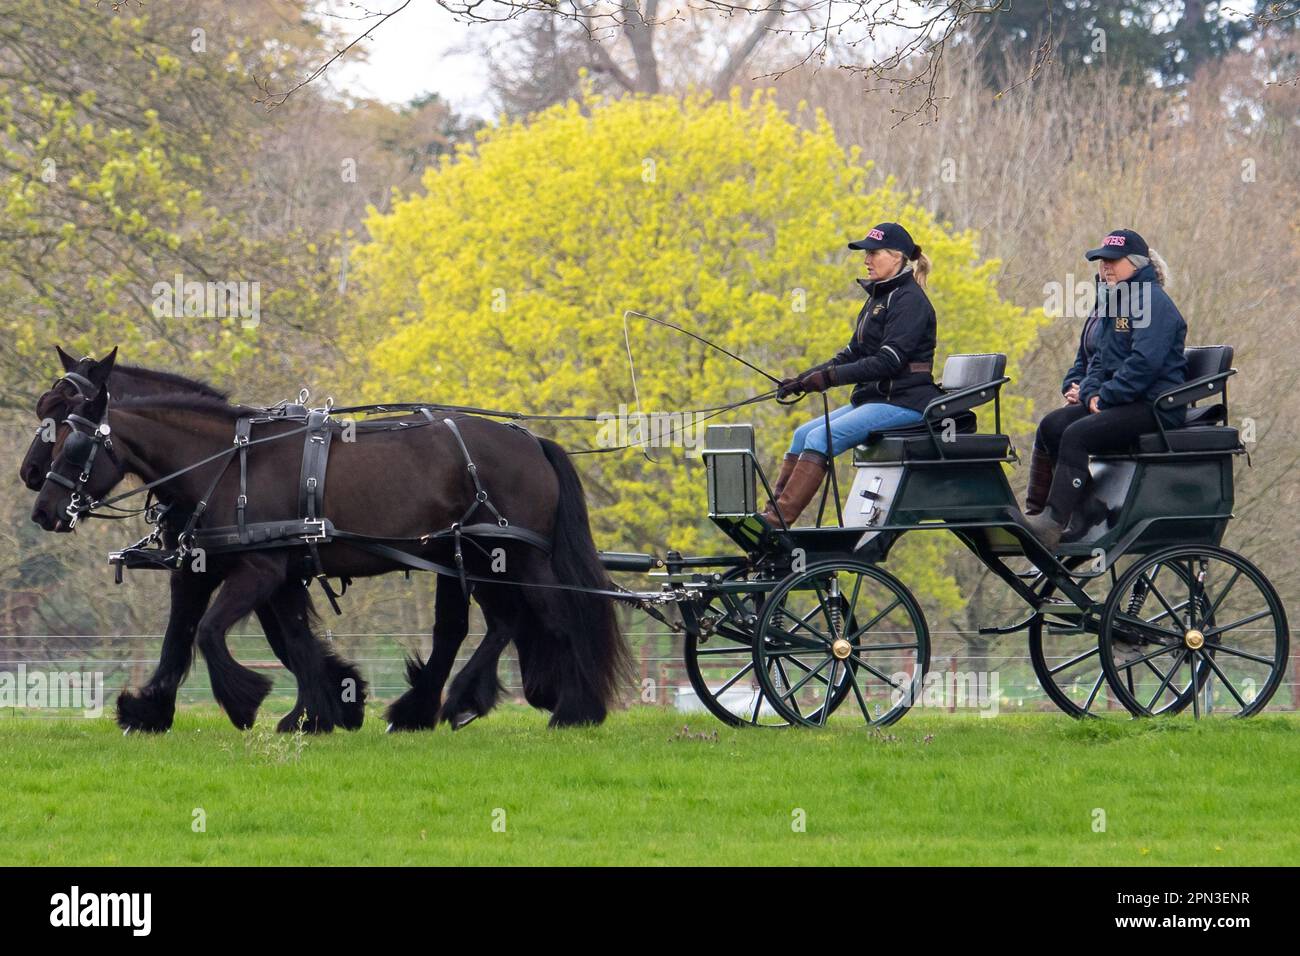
1040,481
787,467
803,483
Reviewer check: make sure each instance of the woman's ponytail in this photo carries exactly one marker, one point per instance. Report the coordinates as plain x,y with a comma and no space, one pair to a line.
1161,267
921,266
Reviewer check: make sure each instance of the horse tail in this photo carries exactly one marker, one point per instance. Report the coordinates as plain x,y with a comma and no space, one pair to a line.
602,659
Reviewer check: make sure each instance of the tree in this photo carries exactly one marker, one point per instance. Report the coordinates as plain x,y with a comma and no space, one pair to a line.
536,61
507,279
1144,38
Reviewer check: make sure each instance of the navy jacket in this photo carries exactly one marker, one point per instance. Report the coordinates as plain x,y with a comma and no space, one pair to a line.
1140,347
1087,345
895,331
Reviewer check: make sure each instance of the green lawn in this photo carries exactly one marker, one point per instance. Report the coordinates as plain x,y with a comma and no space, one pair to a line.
942,790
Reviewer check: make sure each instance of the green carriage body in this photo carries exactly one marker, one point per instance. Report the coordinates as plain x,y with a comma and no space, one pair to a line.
1173,489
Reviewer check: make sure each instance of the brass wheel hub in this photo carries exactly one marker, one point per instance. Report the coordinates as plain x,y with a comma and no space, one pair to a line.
841,649
1194,639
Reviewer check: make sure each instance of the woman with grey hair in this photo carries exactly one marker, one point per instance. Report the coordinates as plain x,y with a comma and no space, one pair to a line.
1041,464
1137,354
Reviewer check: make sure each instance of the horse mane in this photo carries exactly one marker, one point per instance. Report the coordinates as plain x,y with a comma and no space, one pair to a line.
180,401
172,380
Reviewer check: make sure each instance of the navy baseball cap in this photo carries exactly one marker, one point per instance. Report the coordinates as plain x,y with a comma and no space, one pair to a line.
1120,243
888,235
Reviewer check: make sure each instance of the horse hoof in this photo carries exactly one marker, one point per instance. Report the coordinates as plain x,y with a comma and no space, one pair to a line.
126,732
462,719
389,730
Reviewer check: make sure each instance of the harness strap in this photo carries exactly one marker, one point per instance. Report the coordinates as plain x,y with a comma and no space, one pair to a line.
243,428
311,493
480,496
315,458
188,532
84,386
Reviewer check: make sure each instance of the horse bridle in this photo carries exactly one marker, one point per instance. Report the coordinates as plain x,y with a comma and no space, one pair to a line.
96,435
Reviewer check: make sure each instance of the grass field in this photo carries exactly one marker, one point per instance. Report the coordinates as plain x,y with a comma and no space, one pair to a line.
936,790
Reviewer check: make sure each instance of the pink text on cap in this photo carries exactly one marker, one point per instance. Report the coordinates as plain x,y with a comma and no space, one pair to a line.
875,234
1113,241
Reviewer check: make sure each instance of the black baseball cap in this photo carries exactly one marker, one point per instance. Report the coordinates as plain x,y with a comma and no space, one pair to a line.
1120,243
888,235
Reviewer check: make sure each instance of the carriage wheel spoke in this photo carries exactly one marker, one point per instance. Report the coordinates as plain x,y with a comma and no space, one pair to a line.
802,622
857,692
717,651
1145,627
1164,684
734,677
879,675
1164,614
1195,597
1266,661
857,588
1128,666
852,638
1092,694
789,652
805,668
1074,660
885,647
803,680
1195,691
830,694
1150,582
1216,631
1223,594
1209,659
823,604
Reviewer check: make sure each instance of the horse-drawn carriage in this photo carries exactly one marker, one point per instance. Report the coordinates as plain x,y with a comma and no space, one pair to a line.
802,621
1143,601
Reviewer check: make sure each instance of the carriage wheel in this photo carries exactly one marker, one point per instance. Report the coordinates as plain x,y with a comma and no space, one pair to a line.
1067,660
1215,612
838,620
721,666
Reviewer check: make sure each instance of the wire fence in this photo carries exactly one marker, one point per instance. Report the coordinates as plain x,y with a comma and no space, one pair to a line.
126,660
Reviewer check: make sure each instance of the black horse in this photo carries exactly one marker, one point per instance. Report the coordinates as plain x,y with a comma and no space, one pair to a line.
286,618
398,485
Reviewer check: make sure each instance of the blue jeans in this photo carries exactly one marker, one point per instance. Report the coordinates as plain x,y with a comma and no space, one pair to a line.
850,426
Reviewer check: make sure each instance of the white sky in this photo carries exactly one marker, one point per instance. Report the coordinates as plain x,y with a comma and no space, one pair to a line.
411,54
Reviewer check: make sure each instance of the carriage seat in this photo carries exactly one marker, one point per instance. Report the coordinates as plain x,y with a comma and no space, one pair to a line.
1205,428
923,448
968,381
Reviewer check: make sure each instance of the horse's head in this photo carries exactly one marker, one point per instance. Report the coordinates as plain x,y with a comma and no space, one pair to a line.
83,469
82,379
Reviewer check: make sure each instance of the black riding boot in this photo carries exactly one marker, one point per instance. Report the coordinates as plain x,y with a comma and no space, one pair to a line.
1068,488
1040,480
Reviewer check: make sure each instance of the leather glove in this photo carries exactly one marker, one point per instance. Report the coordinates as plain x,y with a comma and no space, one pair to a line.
818,380
788,386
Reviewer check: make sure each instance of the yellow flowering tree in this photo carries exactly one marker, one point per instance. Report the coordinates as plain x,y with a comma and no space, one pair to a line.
505,284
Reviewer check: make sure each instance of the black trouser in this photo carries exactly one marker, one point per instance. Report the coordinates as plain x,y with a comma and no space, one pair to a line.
1070,434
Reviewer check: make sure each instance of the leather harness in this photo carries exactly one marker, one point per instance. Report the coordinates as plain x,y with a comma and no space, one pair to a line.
311,528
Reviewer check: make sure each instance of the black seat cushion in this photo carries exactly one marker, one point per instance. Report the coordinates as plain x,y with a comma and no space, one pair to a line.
965,371
922,448
1201,438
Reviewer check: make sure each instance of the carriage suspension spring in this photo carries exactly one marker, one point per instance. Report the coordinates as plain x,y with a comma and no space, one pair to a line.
1138,598
836,629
